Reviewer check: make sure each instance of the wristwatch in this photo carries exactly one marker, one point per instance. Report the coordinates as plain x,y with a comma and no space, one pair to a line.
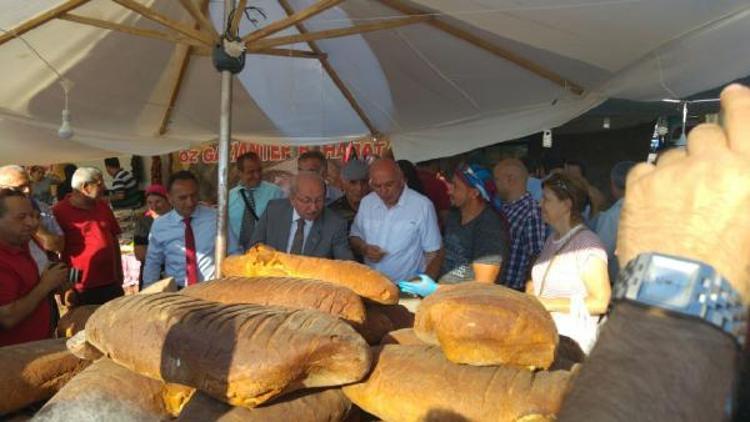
686,287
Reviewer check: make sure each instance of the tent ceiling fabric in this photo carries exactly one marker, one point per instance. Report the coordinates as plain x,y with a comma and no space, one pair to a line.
433,93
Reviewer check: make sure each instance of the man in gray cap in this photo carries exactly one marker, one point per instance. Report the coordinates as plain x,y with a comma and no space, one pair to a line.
354,180
607,221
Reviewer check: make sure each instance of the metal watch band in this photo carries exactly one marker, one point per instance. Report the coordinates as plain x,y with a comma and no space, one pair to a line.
709,296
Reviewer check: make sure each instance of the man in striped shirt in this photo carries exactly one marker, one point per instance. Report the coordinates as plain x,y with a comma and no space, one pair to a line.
124,192
525,219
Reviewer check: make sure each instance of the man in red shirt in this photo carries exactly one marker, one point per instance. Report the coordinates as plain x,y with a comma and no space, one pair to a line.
435,188
91,244
25,305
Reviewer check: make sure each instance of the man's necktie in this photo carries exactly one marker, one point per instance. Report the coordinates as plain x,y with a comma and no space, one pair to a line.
191,259
248,218
299,237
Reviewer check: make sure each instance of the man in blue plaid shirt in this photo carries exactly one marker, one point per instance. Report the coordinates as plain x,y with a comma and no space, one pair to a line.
525,219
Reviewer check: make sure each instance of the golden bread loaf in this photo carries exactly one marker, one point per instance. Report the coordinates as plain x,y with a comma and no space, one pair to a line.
241,354
74,320
290,292
417,383
262,260
485,324
329,405
32,372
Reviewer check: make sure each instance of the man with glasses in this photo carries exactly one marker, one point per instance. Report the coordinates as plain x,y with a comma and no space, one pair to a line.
302,225
48,237
91,240
396,228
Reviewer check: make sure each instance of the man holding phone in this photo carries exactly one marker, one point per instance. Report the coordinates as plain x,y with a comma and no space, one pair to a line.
25,305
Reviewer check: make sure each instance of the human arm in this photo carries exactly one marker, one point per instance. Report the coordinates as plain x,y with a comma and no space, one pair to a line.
650,365
598,291
370,252
53,278
433,261
155,258
49,241
140,252
431,242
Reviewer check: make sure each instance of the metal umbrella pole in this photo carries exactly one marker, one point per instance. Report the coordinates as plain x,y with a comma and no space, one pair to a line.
225,134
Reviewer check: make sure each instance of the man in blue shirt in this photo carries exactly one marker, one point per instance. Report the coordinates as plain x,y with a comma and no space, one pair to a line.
396,228
184,239
248,200
608,221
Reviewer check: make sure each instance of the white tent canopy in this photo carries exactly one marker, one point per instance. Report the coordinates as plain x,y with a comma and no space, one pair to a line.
433,89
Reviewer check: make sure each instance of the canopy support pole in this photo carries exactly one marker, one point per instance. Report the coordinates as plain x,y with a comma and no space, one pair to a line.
225,132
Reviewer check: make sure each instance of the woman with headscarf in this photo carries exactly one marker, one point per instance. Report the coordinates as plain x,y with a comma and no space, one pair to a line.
570,275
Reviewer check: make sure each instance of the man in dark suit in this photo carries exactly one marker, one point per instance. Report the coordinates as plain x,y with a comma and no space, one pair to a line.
302,225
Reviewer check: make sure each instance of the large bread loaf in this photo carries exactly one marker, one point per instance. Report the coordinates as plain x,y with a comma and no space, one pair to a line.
241,354
484,324
417,383
105,381
74,320
329,405
262,260
32,372
404,336
283,291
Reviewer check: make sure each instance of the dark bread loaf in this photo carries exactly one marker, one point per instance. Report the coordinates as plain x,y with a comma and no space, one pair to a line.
32,372
417,383
485,324
241,354
329,405
262,260
404,336
283,291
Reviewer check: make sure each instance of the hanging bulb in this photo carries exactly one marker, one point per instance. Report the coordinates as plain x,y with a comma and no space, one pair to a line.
606,123
65,131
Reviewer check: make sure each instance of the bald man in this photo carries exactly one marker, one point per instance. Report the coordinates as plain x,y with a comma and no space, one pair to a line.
525,219
49,236
396,228
301,224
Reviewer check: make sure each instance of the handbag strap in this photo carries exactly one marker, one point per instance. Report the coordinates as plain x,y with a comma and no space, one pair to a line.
578,229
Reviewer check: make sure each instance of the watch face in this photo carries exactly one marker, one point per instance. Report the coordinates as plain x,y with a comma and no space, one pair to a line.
670,282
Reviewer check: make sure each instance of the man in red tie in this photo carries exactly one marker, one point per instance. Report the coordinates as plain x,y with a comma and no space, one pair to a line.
183,240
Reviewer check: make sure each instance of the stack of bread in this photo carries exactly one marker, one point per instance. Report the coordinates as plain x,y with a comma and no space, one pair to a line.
286,337
477,353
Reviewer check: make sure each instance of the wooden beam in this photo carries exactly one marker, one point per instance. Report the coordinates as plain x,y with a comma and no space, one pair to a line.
39,19
332,72
148,33
336,33
181,57
157,17
476,41
180,61
287,52
291,19
234,25
203,21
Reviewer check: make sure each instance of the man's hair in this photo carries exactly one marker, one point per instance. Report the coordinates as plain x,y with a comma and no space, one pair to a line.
294,185
8,193
247,156
85,175
578,164
314,154
6,173
180,175
112,162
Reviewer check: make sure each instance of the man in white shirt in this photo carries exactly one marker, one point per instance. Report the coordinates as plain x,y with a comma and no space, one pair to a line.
396,228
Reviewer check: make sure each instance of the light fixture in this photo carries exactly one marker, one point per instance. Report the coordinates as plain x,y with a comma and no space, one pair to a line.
66,130
606,123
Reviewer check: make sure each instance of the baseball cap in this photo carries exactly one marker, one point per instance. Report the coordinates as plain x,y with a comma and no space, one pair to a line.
156,190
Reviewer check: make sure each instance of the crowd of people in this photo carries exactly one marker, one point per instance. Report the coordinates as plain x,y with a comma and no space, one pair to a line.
422,230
